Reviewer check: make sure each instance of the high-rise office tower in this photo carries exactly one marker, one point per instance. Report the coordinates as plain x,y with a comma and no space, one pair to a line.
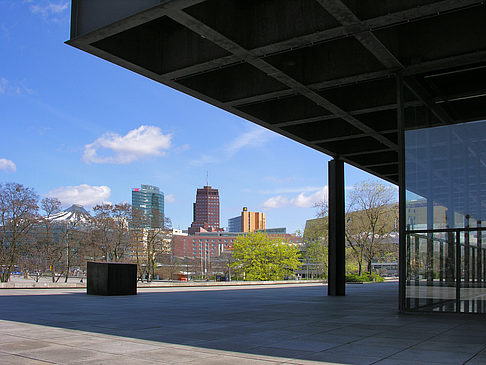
148,206
206,210
247,221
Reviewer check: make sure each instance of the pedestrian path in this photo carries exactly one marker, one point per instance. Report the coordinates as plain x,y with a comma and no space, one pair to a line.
226,325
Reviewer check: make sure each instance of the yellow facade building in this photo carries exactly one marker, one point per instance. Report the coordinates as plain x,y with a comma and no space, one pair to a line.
247,222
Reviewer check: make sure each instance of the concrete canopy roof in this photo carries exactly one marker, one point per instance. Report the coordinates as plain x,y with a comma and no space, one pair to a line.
321,72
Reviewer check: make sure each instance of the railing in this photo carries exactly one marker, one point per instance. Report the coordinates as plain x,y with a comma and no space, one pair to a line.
446,268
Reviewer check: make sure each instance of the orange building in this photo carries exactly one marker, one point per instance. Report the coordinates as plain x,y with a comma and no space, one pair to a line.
247,222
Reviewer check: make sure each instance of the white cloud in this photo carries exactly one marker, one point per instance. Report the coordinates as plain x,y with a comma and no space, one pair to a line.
49,9
254,138
302,200
169,198
307,201
279,180
299,189
14,88
138,143
86,195
276,202
180,149
3,85
203,160
7,165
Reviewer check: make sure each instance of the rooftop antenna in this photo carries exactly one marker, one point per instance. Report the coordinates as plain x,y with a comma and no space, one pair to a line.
207,178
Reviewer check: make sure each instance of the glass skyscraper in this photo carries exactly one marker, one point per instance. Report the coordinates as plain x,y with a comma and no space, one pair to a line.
148,206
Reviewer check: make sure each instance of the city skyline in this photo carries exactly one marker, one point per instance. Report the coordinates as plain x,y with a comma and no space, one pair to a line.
205,210
89,136
149,201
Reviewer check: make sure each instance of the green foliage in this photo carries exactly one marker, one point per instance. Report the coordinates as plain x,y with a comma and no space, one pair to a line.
364,278
316,253
261,257
316,230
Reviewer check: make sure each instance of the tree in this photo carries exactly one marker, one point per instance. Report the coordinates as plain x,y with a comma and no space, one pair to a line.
315,237
112,230
120,240
150,244
318,229
227,260
158,243
261,257
103,228
370,221
316,256
49,238
77,237
18,215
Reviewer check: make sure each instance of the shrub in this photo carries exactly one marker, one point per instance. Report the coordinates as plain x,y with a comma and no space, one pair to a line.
364,278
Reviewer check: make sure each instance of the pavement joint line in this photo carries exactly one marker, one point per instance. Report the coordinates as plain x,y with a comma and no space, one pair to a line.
476,354
32,358
250,357
409,347
218,353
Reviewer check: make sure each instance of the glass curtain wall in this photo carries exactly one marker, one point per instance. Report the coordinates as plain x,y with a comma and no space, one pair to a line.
445,169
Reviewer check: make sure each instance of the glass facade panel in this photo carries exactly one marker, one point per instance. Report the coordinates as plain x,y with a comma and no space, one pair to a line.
148,201
445,207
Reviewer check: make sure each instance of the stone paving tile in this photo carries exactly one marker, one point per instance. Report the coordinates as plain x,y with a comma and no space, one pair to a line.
354,331
21,345
382,341
240,343
469,348
172,355
282,354
109,359
78,340
296,325
198,335
479,359
306,329
341,358
232,360
119,347
368,350
278,335
331,338
401,362
420,336
452,339
438,357
6,338
304,345
170,340
37,333
20,360
61,354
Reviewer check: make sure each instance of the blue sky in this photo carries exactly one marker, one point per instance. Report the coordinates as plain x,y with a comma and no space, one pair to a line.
84,130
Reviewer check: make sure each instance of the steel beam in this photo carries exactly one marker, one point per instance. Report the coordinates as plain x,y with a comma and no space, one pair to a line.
379,22
232,47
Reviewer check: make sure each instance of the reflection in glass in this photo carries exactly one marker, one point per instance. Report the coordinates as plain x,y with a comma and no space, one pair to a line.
446,204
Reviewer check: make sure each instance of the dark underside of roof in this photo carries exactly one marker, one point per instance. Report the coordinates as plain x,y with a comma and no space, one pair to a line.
321,72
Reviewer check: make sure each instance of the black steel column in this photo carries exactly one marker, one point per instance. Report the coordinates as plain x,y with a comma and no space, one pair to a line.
337,248
402,245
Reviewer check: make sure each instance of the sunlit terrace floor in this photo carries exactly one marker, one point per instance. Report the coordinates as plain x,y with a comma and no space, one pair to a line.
250,325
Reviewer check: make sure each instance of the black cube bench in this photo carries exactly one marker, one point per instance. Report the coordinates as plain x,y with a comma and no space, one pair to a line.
109,278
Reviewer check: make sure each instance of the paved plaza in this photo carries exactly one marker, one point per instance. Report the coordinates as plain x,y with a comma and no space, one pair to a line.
245,325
